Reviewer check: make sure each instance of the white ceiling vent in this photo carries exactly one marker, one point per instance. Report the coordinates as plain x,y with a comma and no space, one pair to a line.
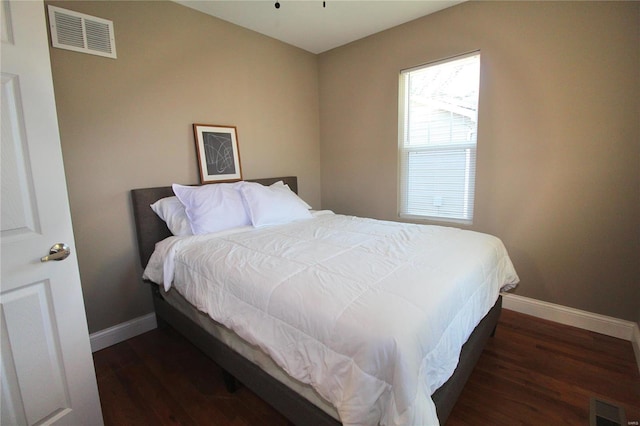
81,33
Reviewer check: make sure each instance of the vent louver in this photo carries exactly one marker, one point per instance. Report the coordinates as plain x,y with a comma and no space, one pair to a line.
81,33
604,413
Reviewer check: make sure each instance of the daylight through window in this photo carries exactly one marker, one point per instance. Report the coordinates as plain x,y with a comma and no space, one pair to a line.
437,141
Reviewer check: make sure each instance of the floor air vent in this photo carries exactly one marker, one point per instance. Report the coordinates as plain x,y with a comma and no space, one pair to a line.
81,33
603,413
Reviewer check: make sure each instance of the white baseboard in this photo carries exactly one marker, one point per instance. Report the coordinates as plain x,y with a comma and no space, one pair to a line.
636,344
121,332
609,326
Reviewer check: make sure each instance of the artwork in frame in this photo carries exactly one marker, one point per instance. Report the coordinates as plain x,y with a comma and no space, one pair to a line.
218,154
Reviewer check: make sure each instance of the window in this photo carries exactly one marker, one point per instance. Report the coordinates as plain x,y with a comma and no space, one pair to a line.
438,122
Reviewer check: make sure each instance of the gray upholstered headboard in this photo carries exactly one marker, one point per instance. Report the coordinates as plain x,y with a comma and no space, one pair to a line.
150,228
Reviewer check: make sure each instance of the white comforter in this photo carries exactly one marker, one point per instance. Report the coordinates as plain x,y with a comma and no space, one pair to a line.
372,314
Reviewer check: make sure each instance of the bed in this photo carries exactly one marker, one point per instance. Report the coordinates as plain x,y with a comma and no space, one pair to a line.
302,386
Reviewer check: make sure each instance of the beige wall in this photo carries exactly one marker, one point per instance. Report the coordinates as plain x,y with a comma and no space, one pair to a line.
126,123
559,136
558,176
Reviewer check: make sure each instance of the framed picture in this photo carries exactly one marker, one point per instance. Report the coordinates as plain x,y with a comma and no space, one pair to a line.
218,155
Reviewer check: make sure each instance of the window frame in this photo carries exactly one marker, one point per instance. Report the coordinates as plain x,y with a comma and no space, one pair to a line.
404,150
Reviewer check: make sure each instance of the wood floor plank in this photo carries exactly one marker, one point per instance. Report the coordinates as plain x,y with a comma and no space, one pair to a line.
532,372
117,408
541,371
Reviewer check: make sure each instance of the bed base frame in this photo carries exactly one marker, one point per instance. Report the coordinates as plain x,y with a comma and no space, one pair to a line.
150,229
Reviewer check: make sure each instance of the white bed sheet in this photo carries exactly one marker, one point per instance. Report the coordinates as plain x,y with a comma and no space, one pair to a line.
372,314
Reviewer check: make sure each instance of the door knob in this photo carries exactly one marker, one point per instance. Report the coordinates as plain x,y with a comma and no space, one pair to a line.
58,252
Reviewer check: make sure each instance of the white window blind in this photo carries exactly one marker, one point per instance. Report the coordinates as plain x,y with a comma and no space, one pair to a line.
437,139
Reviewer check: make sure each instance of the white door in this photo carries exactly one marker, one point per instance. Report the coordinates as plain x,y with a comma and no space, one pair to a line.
47,367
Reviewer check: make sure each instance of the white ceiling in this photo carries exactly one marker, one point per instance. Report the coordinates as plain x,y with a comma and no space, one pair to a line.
312,27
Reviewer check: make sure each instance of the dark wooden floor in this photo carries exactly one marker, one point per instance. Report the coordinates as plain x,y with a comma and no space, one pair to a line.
533,372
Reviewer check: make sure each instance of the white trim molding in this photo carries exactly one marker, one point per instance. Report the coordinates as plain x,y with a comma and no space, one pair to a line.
121,332
609,326
636,344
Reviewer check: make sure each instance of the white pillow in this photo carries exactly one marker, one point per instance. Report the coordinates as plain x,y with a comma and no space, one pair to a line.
271,205
280,184
212,208
171,210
